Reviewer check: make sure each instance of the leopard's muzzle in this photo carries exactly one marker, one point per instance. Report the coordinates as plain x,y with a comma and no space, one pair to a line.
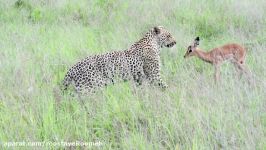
171,44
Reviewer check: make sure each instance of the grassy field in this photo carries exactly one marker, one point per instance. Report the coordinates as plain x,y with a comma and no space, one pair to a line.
40,40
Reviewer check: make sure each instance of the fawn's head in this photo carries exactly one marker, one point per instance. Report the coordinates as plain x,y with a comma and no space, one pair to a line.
191,48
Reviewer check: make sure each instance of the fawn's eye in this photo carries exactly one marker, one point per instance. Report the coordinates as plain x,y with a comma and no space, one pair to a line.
189,49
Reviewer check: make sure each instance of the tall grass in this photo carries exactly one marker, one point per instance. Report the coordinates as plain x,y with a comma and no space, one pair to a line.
40,40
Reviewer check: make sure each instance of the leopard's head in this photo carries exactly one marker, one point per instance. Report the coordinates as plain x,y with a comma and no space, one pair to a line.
164,37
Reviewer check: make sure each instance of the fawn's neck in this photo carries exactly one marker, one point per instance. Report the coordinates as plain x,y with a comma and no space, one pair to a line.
205,56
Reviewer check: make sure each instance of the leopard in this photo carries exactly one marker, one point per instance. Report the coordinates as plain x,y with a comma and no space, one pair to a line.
140,62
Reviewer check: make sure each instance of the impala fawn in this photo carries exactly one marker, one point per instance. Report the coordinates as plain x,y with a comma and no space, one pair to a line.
234,53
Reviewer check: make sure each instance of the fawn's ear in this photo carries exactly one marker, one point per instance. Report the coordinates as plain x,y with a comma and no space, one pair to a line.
157,30
196,42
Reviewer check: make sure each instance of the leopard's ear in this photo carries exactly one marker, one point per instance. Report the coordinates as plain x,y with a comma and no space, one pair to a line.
157,30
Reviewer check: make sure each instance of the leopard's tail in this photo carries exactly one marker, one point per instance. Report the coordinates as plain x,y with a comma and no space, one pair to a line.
66,82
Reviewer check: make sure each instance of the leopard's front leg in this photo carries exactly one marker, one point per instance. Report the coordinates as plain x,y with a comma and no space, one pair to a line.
152,71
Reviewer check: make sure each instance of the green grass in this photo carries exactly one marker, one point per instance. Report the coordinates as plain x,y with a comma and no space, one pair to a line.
40,40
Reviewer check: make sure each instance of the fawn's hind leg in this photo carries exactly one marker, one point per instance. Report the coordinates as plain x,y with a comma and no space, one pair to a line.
239,69
243,70
241,66
216,72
